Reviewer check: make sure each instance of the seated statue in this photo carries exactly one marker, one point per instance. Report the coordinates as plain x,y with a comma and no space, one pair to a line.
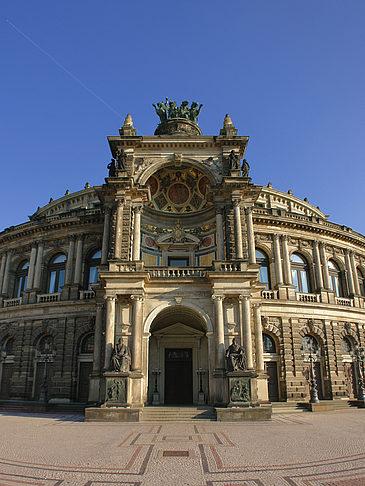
121,357
236,357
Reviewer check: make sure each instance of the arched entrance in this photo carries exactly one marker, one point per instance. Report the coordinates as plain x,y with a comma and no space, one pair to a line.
178,358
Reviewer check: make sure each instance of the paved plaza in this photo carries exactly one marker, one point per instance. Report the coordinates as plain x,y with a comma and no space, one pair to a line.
305,449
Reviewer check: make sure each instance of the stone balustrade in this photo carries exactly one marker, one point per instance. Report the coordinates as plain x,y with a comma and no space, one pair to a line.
13,302
344,301
87,294
41,298
176,272
269,294
303,297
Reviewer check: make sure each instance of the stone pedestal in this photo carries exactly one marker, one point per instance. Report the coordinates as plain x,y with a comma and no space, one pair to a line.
94,388
242,388
116,389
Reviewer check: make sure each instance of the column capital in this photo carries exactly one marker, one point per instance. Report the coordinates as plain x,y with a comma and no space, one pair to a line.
100,305
276,236
217,298
284,237
248,210
120,201
108,208
236,202
137,298
244,297
110,298
71,237
322,245
219,209
138,208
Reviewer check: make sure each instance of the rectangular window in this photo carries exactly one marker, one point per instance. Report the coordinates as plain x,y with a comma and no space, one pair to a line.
52,282
294,275
303,278
178,262
264,277
61,280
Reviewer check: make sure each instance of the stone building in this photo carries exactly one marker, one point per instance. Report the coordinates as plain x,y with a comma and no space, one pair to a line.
176,254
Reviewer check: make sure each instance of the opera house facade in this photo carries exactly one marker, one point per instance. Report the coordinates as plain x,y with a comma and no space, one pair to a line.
175,255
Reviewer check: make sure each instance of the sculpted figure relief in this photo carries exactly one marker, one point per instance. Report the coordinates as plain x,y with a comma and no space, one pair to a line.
121,357
236,357
121,159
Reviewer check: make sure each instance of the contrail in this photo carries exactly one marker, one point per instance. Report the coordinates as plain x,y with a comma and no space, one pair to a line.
75,78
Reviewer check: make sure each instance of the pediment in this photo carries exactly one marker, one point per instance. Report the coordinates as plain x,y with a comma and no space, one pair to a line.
179,329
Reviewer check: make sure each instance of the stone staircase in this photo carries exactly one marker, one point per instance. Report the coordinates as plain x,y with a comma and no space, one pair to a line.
288,407
178,414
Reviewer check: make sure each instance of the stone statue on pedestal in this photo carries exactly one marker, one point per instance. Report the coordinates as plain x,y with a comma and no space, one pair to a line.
121,357
112,169
234,161
245,168
236,357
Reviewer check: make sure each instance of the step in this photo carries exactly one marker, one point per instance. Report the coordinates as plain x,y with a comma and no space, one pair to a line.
177,414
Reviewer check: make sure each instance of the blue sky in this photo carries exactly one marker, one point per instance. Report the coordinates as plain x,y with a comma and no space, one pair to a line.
291,74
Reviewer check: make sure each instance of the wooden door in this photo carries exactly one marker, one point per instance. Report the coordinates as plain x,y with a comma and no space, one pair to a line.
318,377
178,376
39,380
85,370
350,380
271,368
7,373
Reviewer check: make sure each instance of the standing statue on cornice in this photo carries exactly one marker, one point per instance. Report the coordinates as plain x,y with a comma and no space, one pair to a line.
184,110
245,168
234,161
111,168
173,110
121,159
194,111
161,110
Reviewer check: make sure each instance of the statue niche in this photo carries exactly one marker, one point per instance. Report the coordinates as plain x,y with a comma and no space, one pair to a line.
121,357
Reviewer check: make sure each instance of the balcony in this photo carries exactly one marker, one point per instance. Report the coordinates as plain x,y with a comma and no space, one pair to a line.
176,272
302,297
87,294
42,298
344,301
269,294
13,302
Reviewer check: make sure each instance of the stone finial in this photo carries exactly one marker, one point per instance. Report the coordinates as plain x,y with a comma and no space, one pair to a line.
128,122
87,186
127,129
269,185
228,129
227,121
67,192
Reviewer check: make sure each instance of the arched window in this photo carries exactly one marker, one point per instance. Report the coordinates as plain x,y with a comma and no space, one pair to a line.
92,264
56,274
45,345
87,344
8,347
263,260
269,344
300,273
335,278
346,346
21,277
310,344
361,279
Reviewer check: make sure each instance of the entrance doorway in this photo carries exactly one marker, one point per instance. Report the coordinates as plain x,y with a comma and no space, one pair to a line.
273,388
178,376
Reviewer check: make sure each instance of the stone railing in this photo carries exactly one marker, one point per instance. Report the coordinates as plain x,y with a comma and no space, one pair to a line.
41,298
177,272
269,294
303,297
229,266
87,294
12,302
344,301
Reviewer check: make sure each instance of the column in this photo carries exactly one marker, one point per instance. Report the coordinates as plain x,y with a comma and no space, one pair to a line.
106,231
250,236
38,266
137,332
118,229
6,274
78,263
286,260
317,265
109,329
219,332
354,272
70,259
238,229
278,269
326,277
350,276
137,233
97,336
219,231
2,270
260,365
33,254
247,334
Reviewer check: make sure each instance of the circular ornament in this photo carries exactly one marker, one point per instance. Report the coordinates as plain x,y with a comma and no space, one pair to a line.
202,184
178,193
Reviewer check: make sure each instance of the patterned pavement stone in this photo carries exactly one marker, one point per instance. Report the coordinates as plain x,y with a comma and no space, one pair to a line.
327,449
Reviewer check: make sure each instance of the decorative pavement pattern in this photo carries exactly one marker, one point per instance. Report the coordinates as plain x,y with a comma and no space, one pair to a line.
326,449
